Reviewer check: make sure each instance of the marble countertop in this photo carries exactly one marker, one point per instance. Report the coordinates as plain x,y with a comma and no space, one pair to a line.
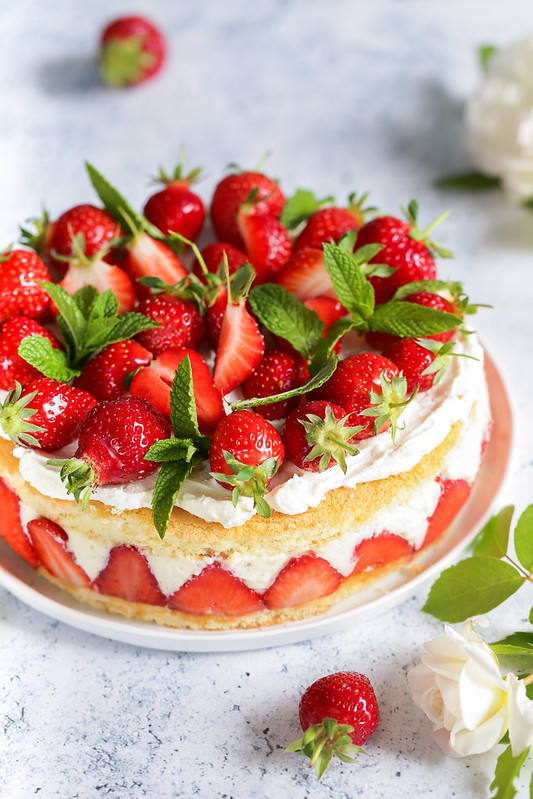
346,96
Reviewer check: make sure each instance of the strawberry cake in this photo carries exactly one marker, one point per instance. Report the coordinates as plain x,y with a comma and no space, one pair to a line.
238,435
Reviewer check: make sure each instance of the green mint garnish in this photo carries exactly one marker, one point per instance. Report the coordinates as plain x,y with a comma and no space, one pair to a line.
299,208
284,315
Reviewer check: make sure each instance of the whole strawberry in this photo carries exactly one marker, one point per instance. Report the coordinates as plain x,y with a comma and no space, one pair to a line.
421,361
132,50
20,292
239,188
13,368
404,247
114,438
278,371
328,224
266,242
104,375
338,713
317,435
180,324
176,208
55,412
245,454
213,259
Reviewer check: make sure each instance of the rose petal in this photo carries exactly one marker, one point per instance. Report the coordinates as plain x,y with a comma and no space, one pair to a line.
520,715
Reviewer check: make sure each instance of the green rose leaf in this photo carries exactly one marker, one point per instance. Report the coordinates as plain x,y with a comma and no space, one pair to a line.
493,539
472,587
523,539
507,770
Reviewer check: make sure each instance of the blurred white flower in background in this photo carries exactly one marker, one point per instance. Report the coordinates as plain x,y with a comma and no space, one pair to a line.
459,687
499,120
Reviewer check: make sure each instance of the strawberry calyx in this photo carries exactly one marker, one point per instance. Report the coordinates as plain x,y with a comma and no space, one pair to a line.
249,481
389,404
78,477
189,288
411,214
442,353
36,238
329,438
320,742
124,61
177,178
14,414
78,257
300,206
357,205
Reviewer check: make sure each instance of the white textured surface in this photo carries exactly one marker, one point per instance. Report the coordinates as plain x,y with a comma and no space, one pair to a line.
347,96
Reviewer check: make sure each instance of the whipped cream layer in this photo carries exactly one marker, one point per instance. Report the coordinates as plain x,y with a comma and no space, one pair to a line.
424,424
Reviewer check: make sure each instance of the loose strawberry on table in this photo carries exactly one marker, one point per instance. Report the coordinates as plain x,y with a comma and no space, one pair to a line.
132,50
176,208
20,292
13,368
338,713
246,452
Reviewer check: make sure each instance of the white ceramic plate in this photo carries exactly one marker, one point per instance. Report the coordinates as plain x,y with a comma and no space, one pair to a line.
22,581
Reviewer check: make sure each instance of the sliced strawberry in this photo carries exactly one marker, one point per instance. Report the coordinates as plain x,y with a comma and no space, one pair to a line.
12,530
305,275
147,257
102,276
213,257
51,543
104,375
128,576
379,550
240,347
303,579
215,590
153,384
267,243
453,495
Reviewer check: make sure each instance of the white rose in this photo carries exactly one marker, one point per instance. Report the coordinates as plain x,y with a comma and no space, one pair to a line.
520,715
459,687
499,120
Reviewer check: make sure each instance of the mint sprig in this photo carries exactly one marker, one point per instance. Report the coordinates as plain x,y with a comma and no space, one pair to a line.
284,315
88,322
178,455
300,206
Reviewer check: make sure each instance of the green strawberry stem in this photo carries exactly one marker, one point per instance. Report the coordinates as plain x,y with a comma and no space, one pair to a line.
320,742
249,481
14,414
78,477
329,439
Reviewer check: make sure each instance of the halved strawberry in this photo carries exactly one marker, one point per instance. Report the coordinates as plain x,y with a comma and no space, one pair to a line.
379,550
12,530
305,275
453,495
215,590
303,579
154,381
240,347
267,243
213,258
95,271
147,257
128,576
103,376
51,543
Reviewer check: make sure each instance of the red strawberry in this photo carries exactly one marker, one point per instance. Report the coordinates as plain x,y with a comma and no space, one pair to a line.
329,309
232,192
244,439
147,257
114,438
128,576
13,368
104,375
180,324
380,550
278,371
20,293
412,360
328,224
213,258
352,384
59,411
316,435
132,50
453,495
333,710
266,242
214,314
215,590
240,345
305,274
153,384
51,544
176,208
12,530
303,579
96,225
404,248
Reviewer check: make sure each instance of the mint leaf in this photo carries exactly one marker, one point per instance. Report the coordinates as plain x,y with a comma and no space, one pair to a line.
38,351
507,770
313,383
469,181
325,346
70,320
432,286
170,479
523,539
114,202
285,316
128,325
472,587
104,306
299,208
183,413
351,286
171,449
493,538
410,320
85,299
